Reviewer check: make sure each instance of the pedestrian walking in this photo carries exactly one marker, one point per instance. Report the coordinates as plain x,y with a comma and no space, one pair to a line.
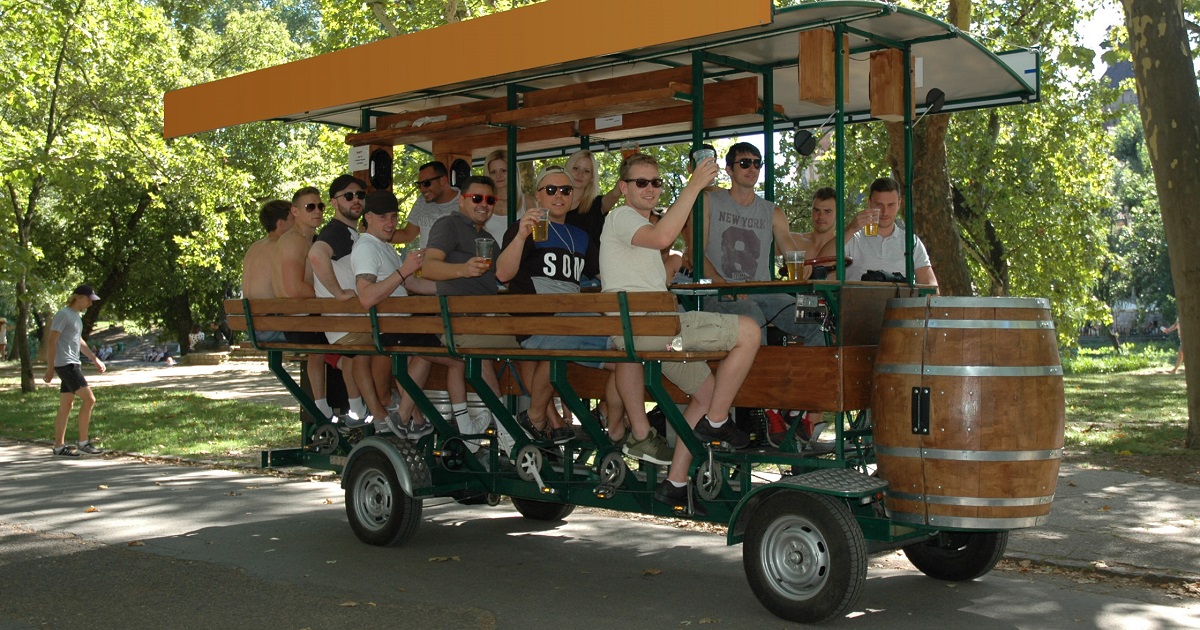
66,330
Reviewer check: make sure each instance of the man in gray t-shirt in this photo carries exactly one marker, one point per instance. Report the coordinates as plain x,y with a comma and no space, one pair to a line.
739,227
64,337
437,199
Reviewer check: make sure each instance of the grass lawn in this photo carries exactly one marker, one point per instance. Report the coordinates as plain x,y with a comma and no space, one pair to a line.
156,421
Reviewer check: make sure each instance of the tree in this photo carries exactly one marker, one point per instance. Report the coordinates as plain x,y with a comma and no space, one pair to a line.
1169,102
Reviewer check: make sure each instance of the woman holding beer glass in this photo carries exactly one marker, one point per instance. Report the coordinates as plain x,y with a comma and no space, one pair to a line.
543,254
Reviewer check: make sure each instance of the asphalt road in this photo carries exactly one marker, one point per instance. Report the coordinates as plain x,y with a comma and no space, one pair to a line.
172,546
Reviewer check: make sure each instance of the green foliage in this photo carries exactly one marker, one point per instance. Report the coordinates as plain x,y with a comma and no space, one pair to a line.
1107,361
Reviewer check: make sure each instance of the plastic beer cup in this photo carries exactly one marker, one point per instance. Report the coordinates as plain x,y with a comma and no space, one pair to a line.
795,265
483,249
541,229
872,227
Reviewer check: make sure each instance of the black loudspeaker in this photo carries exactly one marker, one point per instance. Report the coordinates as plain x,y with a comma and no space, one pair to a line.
460,170
381,169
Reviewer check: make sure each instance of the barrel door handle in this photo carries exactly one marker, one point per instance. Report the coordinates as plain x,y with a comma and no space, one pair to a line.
920,411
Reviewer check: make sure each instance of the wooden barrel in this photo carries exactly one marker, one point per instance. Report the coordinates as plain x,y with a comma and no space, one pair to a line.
968,411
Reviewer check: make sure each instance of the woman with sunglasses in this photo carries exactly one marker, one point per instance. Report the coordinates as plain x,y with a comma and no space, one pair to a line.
496,167
589,207
554,265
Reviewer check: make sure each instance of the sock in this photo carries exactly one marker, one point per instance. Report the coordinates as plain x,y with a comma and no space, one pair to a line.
458,408
323,405
82,442
358,408
677,484
716,425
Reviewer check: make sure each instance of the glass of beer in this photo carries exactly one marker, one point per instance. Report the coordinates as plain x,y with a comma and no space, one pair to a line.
541,229
795,265
413,249
628,148
484,248
872,227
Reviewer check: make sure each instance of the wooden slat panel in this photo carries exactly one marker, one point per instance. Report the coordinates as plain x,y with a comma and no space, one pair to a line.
561,303
722,99
574,326
548,137
593,106
456,128
627,83
404,120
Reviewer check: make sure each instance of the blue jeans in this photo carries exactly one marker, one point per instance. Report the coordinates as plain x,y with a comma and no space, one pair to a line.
776,308
567,342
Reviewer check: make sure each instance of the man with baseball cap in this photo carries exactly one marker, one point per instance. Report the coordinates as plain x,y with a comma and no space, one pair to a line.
66,330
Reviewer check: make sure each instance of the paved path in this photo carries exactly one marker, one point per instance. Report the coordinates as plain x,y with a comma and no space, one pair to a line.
172,546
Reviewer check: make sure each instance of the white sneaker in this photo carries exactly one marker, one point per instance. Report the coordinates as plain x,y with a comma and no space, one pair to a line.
473,425
504,440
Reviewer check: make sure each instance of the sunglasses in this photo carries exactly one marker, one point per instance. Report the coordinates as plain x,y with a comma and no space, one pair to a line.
642,183
552,190
746,162
317,206
491,201
360,195
425,183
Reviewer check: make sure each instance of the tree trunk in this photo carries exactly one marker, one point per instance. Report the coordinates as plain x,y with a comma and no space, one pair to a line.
933,208
1170,107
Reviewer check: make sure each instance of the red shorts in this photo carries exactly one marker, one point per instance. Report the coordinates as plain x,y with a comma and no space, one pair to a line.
332,360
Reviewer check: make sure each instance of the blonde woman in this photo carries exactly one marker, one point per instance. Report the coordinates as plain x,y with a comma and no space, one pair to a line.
588,208
496,167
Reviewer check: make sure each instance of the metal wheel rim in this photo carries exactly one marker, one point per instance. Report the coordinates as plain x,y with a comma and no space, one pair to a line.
373,500
709,480
612,469
325,440
529,459
795,558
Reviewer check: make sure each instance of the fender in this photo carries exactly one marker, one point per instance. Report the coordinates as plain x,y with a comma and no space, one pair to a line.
408,462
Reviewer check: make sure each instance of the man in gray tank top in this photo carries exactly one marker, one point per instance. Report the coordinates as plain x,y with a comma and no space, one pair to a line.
738,230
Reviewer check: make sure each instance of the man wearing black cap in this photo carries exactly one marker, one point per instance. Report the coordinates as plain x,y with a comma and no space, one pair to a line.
65,338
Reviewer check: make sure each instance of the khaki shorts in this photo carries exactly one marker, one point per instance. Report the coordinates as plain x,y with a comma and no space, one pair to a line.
701,332
482,341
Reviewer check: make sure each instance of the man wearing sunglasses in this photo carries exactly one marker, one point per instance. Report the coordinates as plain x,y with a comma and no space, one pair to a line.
631,260
452,264
438,199
738,229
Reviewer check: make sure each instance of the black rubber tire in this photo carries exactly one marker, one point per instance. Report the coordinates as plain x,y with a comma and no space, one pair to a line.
542,510
379,511
805,556
958,556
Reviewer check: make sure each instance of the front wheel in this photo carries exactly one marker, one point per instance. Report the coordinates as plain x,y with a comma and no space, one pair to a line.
379,510
804,556
542,510
958,556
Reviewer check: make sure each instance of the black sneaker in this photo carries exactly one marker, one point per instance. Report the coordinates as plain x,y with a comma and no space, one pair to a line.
66,450
87,449
728,432
561,435
666,492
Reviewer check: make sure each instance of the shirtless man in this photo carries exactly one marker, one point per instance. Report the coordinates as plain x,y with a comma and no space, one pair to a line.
276,219
819,242
292,277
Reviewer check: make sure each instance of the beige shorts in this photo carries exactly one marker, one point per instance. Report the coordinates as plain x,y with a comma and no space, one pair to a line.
701,332
482,341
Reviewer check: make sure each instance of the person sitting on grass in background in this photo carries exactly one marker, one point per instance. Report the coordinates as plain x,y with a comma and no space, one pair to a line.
65,337
631,260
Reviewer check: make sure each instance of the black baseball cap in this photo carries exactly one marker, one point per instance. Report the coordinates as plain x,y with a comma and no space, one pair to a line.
85,289
381,202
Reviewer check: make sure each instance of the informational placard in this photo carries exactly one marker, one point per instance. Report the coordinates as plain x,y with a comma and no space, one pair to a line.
608,122
360,158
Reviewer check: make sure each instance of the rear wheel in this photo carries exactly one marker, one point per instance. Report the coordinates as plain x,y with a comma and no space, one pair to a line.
958,556
379,510
542,510
804,556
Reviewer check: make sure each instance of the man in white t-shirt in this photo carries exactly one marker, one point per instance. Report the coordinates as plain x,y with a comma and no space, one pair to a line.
438,199
885,252
631,260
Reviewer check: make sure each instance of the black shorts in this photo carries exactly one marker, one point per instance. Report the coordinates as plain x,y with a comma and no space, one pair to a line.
71,376
306,337
409,339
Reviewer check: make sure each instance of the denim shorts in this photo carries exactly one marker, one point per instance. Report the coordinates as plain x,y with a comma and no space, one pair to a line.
568,342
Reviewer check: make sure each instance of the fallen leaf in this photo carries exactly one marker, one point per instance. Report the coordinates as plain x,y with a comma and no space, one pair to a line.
102,487
348,604
1125,453
91,508
1072,484
1099,564
233,494
328,501
652,572
331,562
444,558
137,543
709,620
1105,508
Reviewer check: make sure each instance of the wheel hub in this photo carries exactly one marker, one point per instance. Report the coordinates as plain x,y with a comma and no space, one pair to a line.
795,557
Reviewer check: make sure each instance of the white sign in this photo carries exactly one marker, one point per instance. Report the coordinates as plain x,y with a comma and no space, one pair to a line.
608,122
360,158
